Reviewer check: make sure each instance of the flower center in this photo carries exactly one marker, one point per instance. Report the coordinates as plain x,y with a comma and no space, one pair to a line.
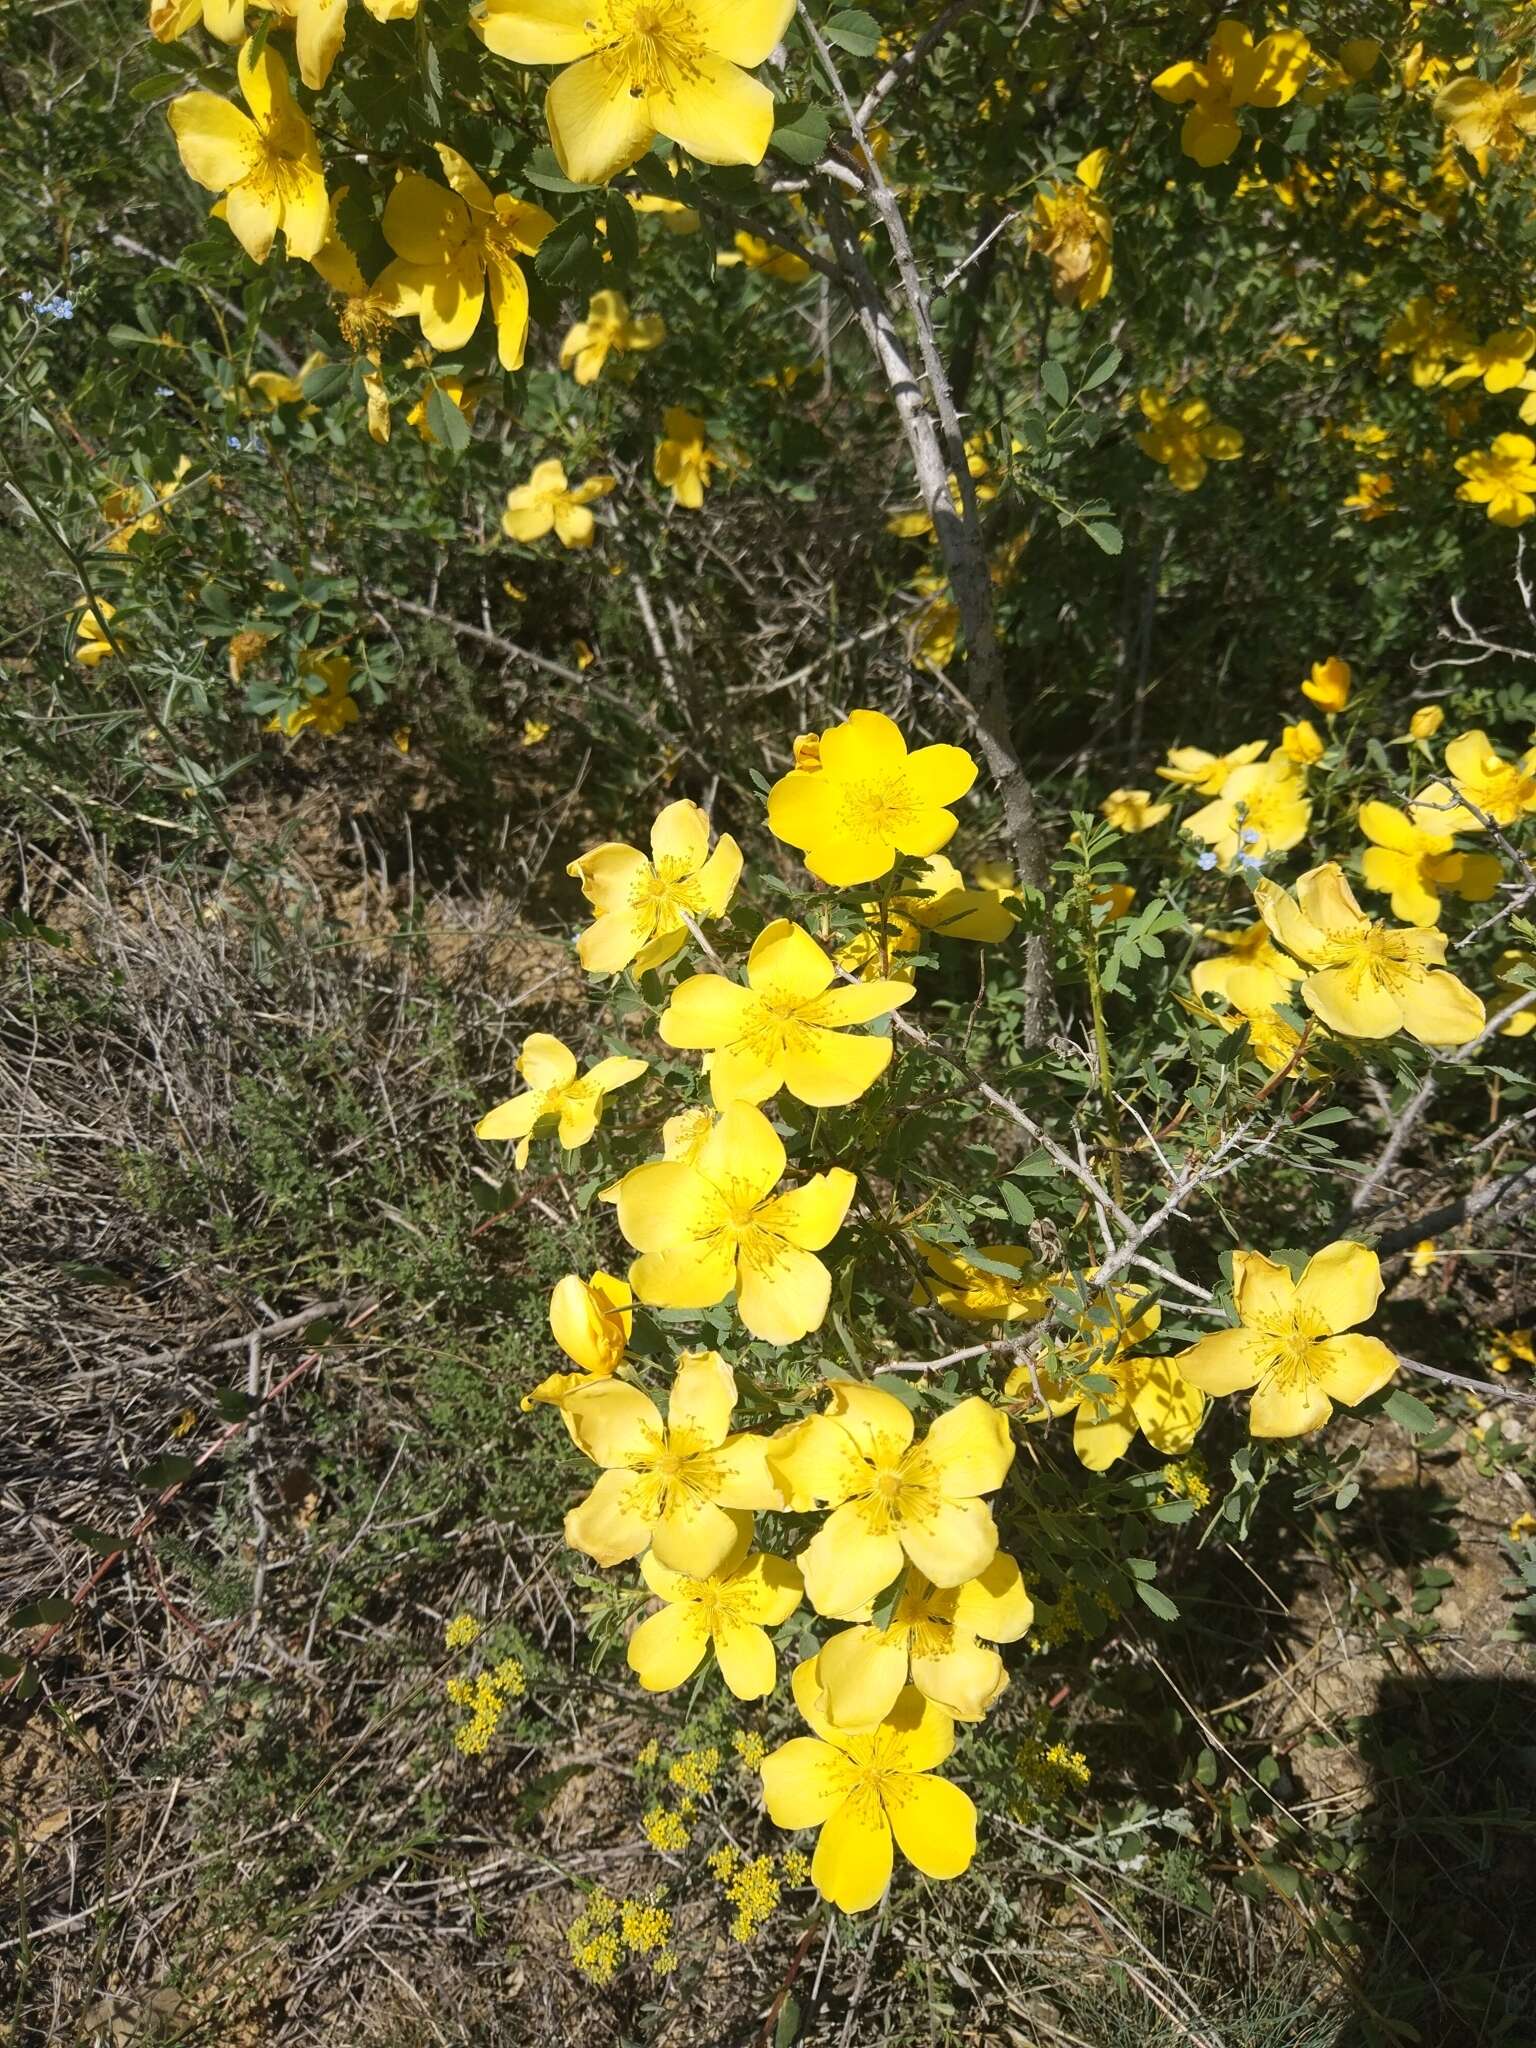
652,45
879,810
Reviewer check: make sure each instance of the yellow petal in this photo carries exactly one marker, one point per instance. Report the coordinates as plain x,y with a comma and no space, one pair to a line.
965,1678
707,1011
694,1535
1352,1368
934,1823
805,1782
423,223
918,1735
863,1671
509,310
1340,1286
827,1069
539,31
667,1648
745,31
605,1526
714,111
1288,1408
746,1658
954,1541
1168,1407
971,1448
1263,1290
783,1301
852,1864
743,1152
613,1423
1227,1360
702,1398
598,129
995,1604
545,1063
1440,1010
875,1421
846,1563
219,145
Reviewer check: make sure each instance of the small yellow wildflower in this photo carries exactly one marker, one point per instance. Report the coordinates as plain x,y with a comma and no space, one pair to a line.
695,1772
461,1632
1235,73
781,264
684,459
1186,1479
753,1889
646,1930
1302,744
750,1747
1512,1347
796,1866
1522,1527
609,329
1426,722
1423,1255
1050,1771
1184,438
1483,113
1329,684
1372,495
1502,477
665,1830
1073,231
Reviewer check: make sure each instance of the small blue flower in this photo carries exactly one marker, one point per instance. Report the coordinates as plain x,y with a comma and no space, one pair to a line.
1207,861
26,298
1250,866
57,308
164,391
1249,836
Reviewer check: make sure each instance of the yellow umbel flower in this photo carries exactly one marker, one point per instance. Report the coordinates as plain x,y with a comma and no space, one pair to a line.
451,248
1184,438
1412,858
643,68
729,1610
265,163
1236,73
1364,980
893,1500
788,1028
1072,229
714,1225
1145,1394
461,1632
868,800
609,329
555,1092
861,1787
1290,1345
938,1638
641,903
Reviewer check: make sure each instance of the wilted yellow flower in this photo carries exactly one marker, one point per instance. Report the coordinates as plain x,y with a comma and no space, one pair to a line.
1329,684
1372,495
1431,335
1273,1042
1132,810
729,1610
222,18
278,389
1145,1394
1262,809
640,903
1502,477
1073,231
868,801
1364,980
939,1639
244,648
788,1028
687,1486
609,329
1512,1347
713,1225
684,459
535,732
638,69
860,1787
590,1321
265,163
1412,859
1236,73
451,247
892,1500
1485,114
556,1094
1184,438
1302,743
996,1283
1193,768
548,502
92,644
1290,1345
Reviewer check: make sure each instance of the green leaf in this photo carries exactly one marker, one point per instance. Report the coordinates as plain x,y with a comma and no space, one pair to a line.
1101,369
327,382
235,1404
570,252
544,171
854,31
170,1470
787,2026
1160,1604
1108,537
802,135
622,232
97,1540
449,427
1053,382
40,1613
1409,1412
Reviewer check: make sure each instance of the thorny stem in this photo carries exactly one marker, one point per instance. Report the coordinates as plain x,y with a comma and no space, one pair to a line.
1101,1041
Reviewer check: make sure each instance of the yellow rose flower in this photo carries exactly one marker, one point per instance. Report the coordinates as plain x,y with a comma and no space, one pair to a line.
555,1092
1251,973
637,70
1502,477
590,1320
329,711
609,329
1182,436
783,265
1290,1345
788,1028
1132,810
939,1639
1236,73
224,19
1486,114
92,645
728,1610
1193,768
1262,810
893,1500
861,1787
1364,980
1073,231
978,1293
1329,684
869,801
451,247
1426,722
1146,1394
1412,859
1499,362
640,903
265,163
712,1226
1302,743
1372,495
1429,335
1502,790
684,460
1272,1042
686,1486
548,502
